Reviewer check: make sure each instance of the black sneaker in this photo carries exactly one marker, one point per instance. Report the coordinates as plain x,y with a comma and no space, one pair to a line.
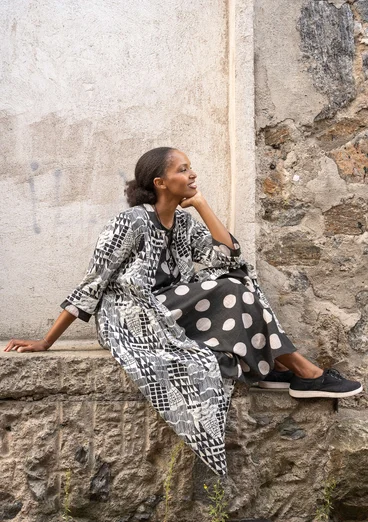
276,380
330,384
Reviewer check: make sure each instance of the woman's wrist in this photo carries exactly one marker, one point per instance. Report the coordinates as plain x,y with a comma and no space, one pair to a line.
200,205
47,344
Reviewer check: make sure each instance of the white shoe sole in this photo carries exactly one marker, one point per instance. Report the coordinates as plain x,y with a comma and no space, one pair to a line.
274,385
299,394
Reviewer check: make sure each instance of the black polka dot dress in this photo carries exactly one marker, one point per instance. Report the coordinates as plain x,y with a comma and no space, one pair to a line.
227,315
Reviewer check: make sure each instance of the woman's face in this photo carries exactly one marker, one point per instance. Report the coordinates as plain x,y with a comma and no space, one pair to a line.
180,179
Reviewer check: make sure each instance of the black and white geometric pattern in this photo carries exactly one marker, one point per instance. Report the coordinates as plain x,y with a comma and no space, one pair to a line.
177,375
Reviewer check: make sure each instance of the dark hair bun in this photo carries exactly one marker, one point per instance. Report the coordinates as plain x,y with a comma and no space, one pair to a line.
151,165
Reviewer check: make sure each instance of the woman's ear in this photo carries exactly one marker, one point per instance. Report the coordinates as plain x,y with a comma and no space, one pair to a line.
159,183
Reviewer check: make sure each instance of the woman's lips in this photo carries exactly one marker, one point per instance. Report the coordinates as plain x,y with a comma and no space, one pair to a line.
192,185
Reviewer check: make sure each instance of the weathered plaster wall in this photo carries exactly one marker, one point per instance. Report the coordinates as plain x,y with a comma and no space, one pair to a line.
312,241
86,89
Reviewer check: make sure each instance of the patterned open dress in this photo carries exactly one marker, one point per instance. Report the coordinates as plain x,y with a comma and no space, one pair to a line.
183,335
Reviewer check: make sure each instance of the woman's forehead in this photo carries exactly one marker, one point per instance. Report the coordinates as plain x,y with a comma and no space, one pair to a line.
177,158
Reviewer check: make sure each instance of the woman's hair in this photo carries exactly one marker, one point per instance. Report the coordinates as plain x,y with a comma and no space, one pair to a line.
151,165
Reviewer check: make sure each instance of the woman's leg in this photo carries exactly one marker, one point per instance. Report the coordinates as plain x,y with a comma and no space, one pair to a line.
279,367
299,365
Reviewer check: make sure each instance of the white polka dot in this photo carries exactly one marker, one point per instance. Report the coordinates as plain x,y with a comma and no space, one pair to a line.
203,324
245,366
240,349
247,320
181,290
228,324
229,301
165,267
212,342
258,341
240,371
225,250
202,305
236,245
248,298
233,280
207,285
267,316
264,367
275,341
177,313
161,298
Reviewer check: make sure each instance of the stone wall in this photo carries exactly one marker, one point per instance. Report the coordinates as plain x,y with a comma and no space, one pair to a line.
312,115
74,429
312,241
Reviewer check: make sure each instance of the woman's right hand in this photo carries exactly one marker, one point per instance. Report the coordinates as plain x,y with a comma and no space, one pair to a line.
21,345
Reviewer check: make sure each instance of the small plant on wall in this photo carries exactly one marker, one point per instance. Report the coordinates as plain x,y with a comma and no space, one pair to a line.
217,508
168,481
66,513
324,511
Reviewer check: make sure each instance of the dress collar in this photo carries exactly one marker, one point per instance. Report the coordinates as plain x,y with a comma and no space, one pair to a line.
152,215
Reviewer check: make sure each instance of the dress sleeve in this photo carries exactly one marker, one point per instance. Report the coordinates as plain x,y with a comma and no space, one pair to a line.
209,251
113,246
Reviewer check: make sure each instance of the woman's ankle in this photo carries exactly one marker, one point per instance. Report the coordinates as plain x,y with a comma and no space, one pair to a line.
310,373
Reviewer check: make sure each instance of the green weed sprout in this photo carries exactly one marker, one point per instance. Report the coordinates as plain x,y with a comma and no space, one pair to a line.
217,508
66,515
323,512
168,481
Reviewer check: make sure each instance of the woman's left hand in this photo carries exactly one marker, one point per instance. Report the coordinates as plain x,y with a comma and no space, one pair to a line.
195,201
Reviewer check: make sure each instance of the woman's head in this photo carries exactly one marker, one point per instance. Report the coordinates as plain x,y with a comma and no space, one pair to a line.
151,165
161,172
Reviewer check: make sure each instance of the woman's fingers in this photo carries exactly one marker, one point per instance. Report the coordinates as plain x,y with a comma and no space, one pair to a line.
21,345
14,343
28,348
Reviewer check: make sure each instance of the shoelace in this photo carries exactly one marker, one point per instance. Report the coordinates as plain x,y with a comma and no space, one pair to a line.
334,373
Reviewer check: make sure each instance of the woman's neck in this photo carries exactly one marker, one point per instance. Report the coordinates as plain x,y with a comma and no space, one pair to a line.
166,211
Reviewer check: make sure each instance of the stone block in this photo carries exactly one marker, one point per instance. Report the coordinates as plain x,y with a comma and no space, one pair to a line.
332,134
293,249
347,218
63,370
362,7
352,159
278,135
350,451
285,213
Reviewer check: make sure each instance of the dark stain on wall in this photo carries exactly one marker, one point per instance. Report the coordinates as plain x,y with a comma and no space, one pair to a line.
327,44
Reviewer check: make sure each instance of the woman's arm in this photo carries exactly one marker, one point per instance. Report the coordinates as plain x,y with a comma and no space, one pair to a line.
214,225
63,322
113,246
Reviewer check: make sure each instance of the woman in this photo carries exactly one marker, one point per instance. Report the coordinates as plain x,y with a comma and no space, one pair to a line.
184,336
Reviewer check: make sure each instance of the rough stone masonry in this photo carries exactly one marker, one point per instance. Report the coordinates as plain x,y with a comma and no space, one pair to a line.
312,148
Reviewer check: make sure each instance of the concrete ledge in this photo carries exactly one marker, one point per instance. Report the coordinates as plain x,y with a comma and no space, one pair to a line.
72,369
70,415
